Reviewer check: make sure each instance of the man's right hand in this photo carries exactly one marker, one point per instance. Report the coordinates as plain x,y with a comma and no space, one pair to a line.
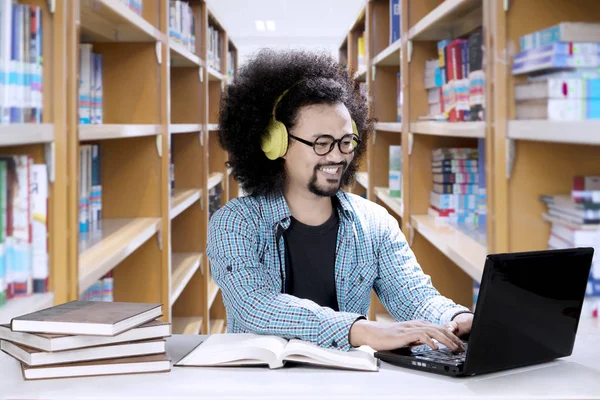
390,336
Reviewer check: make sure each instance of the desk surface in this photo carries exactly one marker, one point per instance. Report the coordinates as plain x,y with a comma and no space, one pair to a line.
574,377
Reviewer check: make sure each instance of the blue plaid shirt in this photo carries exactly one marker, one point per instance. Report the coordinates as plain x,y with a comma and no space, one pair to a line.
246,253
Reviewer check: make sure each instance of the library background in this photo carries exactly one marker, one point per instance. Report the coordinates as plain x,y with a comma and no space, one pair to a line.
487,141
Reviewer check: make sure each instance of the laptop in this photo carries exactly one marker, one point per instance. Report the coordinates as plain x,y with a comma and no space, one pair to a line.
527,312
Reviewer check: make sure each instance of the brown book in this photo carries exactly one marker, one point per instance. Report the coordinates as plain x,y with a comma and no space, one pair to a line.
49,342
96,318
35,357
114,366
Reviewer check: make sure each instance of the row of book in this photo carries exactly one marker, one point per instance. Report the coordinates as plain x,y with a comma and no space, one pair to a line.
362,51
231,66
395,20
90,187
455,81
23,227
395,172
574,220
91,99
215,48
215,195
101,290
562,63
135,5
458,196
182,24
21,63
87,338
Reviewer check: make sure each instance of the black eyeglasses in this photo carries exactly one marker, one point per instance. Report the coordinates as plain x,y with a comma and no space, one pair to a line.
323,145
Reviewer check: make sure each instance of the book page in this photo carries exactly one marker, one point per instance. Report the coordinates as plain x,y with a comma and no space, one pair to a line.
236,349
360,359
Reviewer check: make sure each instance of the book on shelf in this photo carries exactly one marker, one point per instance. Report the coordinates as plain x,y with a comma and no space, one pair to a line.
244,349
215,52
559,109
88,318
564,32
557,88
182,24
21,63
395,20
101,290
135,5
90,188
395,171
91,99
53,343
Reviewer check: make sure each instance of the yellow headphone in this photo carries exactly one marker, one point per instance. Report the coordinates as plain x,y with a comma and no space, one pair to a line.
275,140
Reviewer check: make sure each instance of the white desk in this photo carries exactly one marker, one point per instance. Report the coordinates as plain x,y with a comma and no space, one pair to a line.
575,377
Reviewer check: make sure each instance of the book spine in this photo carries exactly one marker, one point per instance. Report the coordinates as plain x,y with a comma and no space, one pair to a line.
40,270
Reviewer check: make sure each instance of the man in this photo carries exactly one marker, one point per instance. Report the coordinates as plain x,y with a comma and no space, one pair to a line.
298,257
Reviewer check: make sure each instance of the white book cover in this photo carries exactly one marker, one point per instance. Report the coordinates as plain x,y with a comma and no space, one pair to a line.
39,211
85,53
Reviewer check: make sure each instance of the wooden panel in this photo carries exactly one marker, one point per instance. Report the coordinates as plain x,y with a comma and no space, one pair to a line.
384,94
380,163
543,168
188,156
192,301
450,19
186,99
186,233
380,26
151,12
216,155
417,95
417,10
131,178
214,101
187,325
130,98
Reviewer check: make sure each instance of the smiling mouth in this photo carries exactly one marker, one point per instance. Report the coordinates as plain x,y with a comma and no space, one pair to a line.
333,171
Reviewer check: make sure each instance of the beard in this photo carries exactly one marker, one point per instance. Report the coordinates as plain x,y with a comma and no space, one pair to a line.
334,185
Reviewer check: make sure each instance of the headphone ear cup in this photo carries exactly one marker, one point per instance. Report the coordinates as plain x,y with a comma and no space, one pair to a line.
274,143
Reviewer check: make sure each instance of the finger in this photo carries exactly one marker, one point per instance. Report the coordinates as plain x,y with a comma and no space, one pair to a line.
442,335
453,336
424,338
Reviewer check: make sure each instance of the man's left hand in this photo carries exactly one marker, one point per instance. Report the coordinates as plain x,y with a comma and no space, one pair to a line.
461,324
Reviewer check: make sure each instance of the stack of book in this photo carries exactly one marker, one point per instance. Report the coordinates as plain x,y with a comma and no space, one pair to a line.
82,338
575,222
564,82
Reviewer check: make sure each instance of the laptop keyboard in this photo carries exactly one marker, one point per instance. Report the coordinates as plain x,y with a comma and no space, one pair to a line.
443,355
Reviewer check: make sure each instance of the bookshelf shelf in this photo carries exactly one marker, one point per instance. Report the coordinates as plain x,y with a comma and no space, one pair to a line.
116,131
183,199
361,74
448,20
23,134
112,21
187,325
395,204
104,249
463,250
214,179
390,57
217,326
185,128
572,132
450,129
214,75
184,267
182,57
213,127
389,127
213,291
25,305
362,178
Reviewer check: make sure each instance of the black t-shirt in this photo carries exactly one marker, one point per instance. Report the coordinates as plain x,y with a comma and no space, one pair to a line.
310,261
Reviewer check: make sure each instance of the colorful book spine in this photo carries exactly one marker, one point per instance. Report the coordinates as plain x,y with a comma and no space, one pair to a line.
587,32
455,178
395,171
39,190
556,61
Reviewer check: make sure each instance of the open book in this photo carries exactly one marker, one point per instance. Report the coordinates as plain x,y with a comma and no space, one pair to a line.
244,349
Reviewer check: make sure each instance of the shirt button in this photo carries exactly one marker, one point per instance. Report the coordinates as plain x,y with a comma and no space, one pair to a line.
361,279
229,269
334,344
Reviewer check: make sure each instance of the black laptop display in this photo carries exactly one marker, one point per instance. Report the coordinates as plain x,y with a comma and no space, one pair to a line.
527,313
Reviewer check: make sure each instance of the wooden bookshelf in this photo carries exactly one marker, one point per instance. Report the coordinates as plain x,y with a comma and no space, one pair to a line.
117,131
182,57
214,179
389,127
390,57
184,267
185,128
393,203
568,132
182,199
187,325
24,134
450,19
455,129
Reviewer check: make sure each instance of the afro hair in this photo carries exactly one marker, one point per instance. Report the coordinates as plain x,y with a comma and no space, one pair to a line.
247,107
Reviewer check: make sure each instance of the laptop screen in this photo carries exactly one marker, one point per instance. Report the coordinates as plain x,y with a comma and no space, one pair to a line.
528,308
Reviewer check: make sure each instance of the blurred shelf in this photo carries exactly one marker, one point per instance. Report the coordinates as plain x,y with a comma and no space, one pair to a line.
213,290
116,131
24,305
103,249
361,74
184,267
113,21
389,126
390,56
451,129
363,179
394,203
182,199
214,75
574,132
217,326
187,325
450,19
182,57
22,134
463,250
185,128
213,127
214,179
